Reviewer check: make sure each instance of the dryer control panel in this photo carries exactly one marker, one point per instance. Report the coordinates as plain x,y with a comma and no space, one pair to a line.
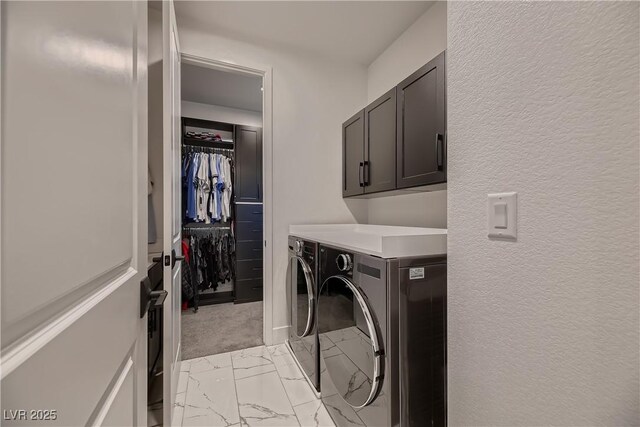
336,261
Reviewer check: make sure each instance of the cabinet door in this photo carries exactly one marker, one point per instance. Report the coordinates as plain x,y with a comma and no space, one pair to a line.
421,156
248,173
380,144
353,155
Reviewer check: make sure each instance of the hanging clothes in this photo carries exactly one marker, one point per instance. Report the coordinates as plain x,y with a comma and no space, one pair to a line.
227,189
213,203
207,186
203,189
220,186
190,170
211,254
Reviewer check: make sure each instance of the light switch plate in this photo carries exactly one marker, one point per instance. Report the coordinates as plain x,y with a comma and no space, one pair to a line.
502,215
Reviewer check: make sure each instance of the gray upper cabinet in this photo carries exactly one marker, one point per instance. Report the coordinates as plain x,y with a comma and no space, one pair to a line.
421,112
248,164
379,172
353,155
399,140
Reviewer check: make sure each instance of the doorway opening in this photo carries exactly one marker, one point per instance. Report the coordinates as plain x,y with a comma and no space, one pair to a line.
213,245
223,215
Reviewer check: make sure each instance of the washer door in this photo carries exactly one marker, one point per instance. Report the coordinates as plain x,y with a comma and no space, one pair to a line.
350,341
301,284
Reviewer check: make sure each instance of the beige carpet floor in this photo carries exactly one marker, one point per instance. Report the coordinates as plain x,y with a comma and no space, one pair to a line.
221,328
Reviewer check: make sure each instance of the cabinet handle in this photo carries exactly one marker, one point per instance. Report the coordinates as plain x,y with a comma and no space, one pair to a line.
366,169
439,152
361,173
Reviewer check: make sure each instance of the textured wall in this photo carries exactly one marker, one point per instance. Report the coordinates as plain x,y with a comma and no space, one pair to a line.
544,100
420,43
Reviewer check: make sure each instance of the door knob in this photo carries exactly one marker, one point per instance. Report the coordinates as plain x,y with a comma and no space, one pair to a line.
175,258
165,260
148,298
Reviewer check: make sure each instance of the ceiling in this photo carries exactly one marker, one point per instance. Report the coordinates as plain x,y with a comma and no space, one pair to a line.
209,86
356,31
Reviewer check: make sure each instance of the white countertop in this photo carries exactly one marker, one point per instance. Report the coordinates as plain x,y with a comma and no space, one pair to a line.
379,240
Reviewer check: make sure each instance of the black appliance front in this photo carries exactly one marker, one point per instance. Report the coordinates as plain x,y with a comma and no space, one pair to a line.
352,314
302,294
422,342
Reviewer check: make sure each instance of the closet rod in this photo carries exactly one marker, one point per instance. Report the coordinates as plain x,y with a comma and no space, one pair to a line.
226,146
186,227
190,148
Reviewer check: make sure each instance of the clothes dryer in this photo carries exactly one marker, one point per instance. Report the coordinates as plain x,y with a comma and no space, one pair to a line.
382,334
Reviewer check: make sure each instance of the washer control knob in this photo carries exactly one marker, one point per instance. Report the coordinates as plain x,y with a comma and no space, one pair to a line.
297,246
344,262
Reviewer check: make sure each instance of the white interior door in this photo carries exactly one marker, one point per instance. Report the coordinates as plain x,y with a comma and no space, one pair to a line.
74,212
172,186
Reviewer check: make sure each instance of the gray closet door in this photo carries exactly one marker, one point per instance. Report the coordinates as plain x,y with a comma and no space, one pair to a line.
380,144
248,173
353,155
421,155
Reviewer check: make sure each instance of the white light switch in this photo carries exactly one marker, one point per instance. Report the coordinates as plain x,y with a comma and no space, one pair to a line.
502,215
500,212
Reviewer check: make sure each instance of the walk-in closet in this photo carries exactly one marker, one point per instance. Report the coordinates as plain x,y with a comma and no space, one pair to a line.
214,211
222,211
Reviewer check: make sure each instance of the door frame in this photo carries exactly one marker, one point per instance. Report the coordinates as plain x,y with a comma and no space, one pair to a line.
171,351
141,126
266,72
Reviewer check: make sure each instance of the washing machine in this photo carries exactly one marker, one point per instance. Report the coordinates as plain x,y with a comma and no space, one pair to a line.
382,335
302,297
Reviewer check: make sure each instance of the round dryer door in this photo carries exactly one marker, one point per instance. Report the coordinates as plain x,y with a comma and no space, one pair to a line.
301,285
350,342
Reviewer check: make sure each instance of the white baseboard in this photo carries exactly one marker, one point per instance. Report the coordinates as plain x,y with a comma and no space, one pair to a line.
280,334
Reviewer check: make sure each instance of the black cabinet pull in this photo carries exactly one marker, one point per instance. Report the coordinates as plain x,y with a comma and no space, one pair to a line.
366,173
439,152
361,173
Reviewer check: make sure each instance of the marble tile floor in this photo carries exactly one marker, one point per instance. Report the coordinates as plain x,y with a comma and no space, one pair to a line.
258,386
